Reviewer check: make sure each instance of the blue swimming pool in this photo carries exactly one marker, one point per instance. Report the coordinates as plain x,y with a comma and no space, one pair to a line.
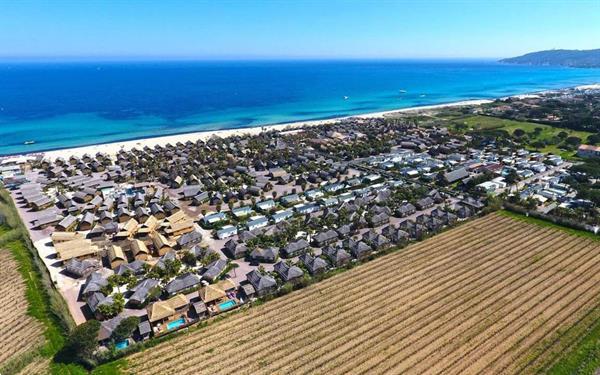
226,305
122,344
176,323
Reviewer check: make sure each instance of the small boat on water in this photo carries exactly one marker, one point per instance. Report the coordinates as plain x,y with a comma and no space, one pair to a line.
28,142
346,97
402,91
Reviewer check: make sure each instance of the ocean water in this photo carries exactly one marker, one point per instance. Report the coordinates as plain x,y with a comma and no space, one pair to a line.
60,105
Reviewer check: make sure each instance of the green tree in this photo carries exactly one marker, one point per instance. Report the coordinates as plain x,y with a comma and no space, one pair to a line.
113,309
81,343
593,139
189,259
538,145
512,177
518,133
210,257
125,328
573,141
132,281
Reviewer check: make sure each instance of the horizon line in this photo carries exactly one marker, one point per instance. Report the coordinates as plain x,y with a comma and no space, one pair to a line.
51,59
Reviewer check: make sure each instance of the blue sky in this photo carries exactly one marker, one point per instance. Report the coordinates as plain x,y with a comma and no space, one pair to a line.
294,29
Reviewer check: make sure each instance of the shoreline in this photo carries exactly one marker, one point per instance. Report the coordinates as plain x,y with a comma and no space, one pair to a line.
112,148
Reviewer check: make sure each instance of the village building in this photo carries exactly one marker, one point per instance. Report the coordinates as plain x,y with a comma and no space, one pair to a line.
263,284
173,310
314,265
287,272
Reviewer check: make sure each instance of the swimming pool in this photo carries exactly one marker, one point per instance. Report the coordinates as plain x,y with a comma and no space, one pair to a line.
176,323
122,344
226,305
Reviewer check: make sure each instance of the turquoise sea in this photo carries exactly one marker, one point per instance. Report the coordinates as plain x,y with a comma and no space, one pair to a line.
60,105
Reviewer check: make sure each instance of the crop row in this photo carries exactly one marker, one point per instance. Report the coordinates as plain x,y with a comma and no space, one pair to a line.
267,321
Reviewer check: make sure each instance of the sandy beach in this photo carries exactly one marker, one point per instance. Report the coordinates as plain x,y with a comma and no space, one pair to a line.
115,147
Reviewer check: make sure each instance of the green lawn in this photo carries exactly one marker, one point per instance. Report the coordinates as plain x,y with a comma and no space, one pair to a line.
548,132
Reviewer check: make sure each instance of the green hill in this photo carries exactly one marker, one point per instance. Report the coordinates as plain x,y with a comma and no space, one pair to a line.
559,57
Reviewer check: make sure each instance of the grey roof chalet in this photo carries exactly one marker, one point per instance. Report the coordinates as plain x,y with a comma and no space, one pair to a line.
314,265
89,218
293,249
394,234
142,290
456,175
369,236
97,299
380,219
344,231
93,283
277,172
108,326
474,203
337,255
246,235
170,255
156,209
105,216
261,282
81,268
111,228
326,237
48,219
81,196
248,289
406,209
191,191
123,212
287,272
190,238
201,197
182,282
425,203
235,249
265,255
142,213
380,241
96,201
136,268
144,328
198,251
171,206
360,249
214,269
67,223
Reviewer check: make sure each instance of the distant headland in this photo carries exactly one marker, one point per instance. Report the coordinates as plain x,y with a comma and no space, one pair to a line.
559,57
